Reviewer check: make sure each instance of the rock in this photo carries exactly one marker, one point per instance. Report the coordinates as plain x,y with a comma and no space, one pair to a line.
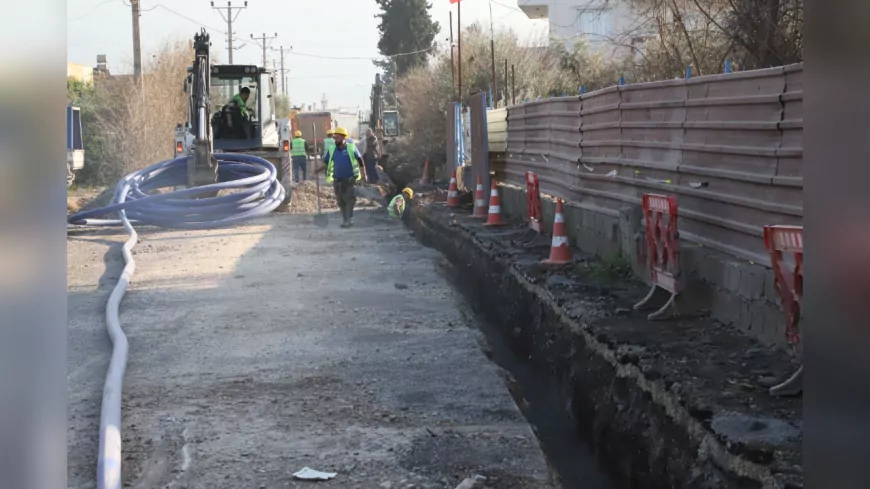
387,485
475,482
400,286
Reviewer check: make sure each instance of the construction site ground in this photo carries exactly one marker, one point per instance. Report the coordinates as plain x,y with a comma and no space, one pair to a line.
678,403
259,350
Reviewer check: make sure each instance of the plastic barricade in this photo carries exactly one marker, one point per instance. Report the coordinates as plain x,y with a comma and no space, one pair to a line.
662,251
781,241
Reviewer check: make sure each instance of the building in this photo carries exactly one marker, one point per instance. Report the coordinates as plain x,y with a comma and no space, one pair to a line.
599,22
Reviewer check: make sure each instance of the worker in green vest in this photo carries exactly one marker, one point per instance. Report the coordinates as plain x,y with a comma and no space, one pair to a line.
328,142
299,157
396,208
343,163
240,100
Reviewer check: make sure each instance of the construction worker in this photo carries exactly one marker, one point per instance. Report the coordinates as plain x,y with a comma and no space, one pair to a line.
240,100
328,142
299,156
371,155
396,209
343,163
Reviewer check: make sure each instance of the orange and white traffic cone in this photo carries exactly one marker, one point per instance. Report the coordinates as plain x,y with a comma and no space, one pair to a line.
453,192
494,218
425,178
560,253
480,206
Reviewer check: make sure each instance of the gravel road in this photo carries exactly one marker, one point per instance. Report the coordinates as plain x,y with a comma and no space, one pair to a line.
260,350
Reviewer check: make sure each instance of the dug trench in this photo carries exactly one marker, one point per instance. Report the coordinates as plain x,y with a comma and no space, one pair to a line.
618,401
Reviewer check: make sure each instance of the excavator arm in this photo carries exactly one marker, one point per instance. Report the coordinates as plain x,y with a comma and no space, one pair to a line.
202,166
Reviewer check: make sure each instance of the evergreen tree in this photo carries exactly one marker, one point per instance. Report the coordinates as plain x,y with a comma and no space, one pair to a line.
406,26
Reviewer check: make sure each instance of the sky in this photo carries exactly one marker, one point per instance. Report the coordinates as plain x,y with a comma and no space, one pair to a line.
313,28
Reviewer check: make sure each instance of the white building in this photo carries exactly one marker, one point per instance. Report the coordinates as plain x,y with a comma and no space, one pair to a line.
600,22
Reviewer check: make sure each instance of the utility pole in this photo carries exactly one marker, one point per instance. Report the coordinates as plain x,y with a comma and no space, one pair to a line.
137,46
505,84
492,49
264,38
229,20
452,61
513,85
459,46
283,71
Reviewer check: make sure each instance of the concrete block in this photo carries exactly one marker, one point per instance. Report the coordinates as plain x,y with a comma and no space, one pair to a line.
713,268
731,276
726,307
751,281
774,327
628,229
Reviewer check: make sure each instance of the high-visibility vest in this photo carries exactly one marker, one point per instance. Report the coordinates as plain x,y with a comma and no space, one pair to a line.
297,147
330,167
396,207
328,144
243,106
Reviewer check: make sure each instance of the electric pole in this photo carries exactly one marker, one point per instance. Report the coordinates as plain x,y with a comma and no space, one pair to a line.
137,46
283,71
229,20
264,38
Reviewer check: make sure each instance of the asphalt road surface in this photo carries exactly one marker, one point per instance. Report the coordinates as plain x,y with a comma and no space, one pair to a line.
260,350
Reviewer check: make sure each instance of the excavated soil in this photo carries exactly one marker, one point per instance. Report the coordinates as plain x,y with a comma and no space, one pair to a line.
670,404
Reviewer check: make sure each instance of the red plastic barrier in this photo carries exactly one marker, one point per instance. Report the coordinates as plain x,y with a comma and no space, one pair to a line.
789,281
662,241
533,199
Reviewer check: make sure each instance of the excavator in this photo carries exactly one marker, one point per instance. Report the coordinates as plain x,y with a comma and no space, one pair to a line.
217,123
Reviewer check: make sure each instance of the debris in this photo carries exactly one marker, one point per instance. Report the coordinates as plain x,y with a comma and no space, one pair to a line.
475,482
699,184
400,286
309,474
611,174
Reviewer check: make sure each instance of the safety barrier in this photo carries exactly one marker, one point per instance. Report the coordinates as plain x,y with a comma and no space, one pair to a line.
662,250
533,198
789,282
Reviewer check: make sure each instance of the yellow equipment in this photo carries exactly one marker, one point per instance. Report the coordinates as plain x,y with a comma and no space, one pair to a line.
340,130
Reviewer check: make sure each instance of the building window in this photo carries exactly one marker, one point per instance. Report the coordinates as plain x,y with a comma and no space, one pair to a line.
594,23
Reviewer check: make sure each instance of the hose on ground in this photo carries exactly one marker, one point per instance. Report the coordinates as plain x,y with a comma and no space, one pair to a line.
256,191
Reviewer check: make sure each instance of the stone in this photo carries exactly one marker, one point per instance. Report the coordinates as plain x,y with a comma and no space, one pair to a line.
475,482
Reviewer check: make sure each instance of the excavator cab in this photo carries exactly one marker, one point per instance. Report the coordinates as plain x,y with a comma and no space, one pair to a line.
234,129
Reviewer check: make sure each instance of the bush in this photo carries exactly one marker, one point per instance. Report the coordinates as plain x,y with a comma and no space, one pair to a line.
126,125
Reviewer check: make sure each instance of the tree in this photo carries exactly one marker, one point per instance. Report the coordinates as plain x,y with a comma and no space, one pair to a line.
406,27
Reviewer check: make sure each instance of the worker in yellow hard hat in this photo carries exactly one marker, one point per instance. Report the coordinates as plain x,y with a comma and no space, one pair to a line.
299,157
343,163
396,208
328,141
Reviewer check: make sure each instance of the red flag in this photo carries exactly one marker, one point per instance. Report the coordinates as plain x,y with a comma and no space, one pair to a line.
454,1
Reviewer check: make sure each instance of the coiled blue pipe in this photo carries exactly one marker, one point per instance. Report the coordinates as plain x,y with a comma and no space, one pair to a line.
258,192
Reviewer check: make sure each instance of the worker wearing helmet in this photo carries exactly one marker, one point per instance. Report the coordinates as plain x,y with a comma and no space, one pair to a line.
343,163
240,100
396,209
328,141
299,157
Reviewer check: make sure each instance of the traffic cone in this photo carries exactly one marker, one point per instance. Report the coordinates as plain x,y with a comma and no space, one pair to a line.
425,178
480,207
453,192
494,218
560,253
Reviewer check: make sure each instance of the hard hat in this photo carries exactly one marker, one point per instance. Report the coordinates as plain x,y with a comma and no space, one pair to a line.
297,134
408,191
329,132
340,130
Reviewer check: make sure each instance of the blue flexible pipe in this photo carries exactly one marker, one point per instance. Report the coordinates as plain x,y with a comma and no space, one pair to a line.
258,193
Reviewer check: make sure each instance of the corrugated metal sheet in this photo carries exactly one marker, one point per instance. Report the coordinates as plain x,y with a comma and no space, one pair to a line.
496,128
728,146
479,138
